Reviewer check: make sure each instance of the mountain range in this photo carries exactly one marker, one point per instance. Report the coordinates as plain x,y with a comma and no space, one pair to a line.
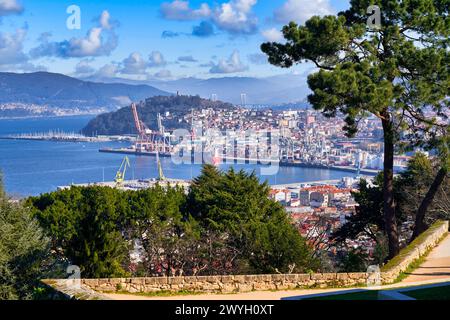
275,90
57,90
60,94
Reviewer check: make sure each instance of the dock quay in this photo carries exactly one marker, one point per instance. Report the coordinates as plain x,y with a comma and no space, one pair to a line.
131,151
228,160
134,152
134,185
368,172
310,183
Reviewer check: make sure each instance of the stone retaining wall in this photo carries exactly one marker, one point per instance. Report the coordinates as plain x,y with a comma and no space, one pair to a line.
248,283
226,284
427,241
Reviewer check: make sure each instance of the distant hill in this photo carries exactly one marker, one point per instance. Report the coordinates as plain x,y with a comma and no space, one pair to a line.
270,91
122,122
275,90
60,91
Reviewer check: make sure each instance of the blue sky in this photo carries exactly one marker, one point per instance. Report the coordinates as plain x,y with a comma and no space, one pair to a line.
147,39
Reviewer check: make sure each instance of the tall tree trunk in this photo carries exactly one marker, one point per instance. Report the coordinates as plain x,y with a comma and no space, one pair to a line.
420,225
388,187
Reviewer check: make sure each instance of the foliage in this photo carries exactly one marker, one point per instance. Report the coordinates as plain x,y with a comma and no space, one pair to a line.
369,217
236,203
83,224
122,122
396,71
414,184
353,261
24,251
410,188
226,224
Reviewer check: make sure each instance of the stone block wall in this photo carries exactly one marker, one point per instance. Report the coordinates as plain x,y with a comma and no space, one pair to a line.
227,284
414,251
248,283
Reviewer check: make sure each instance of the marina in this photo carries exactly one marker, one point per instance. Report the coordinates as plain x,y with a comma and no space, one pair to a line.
61,136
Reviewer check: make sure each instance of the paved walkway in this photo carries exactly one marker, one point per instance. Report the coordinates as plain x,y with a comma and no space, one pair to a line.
256,295
436,269
436,266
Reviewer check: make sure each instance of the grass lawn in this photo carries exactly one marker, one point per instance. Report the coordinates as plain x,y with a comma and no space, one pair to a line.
361,296
438,293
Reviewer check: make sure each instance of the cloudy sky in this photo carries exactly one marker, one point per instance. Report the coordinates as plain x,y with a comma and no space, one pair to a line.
148,39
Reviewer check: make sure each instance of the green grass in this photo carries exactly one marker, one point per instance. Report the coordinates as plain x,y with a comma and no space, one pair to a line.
368,295
411,247
437,293
412,267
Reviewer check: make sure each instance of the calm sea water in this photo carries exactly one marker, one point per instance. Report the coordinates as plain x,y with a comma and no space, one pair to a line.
35,167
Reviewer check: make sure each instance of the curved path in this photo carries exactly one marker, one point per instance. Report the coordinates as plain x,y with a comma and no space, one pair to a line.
436,265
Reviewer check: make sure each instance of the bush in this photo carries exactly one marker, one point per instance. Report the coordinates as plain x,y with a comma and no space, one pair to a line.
24,251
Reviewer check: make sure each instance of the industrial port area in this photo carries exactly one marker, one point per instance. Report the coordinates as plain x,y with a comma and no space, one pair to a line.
302,138
248,136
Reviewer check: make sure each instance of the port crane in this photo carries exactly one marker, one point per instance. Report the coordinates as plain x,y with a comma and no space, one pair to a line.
148,140
161,176
120,176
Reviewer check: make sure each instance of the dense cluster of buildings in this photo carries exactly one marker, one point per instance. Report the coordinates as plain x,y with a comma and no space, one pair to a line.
317,209
306,136
17,109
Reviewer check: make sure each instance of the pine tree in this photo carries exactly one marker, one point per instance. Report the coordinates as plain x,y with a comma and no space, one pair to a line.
394,70
236,204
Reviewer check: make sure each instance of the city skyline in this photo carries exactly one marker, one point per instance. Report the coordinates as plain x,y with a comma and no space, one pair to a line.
149,40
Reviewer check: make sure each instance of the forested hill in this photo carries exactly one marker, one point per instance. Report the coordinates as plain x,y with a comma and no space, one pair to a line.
121,121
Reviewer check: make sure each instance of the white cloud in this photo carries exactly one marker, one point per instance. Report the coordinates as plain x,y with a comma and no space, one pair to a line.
99,41
105,20
12,56
236,17
180,10
134,64
156,59
163,74
8,7
232,65
301,10
107,71
11,47
273,35
83,67
88,46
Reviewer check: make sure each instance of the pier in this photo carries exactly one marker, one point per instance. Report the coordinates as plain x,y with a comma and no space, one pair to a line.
370,172
134,185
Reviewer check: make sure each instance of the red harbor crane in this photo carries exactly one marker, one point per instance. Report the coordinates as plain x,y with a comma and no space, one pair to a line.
148,140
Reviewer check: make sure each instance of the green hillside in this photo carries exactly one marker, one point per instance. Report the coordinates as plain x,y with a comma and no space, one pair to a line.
121,121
